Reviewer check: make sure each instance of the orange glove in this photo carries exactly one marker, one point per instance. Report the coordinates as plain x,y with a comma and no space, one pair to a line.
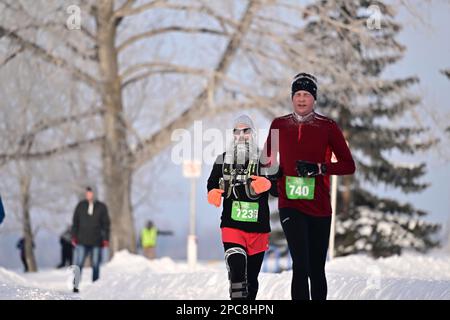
215,197
260,184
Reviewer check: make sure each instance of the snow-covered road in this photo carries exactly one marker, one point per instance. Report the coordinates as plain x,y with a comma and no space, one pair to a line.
128,276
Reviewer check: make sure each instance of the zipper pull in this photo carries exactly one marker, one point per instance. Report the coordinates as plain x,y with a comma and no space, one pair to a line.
300,131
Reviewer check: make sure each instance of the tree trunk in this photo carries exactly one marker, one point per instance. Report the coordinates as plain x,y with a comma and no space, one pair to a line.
25,182
117,172
199,108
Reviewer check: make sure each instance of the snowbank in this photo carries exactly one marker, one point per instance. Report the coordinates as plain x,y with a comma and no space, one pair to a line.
15,287
127,276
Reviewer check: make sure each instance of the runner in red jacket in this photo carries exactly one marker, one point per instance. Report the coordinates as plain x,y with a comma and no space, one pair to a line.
305,141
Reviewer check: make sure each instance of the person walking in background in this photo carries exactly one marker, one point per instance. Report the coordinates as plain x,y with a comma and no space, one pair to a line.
66,248
148,239
90,232
23,257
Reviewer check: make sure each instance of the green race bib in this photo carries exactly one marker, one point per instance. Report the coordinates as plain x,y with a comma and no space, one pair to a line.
244,211
300,188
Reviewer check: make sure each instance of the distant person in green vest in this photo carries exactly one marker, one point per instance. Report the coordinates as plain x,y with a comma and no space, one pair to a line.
149,237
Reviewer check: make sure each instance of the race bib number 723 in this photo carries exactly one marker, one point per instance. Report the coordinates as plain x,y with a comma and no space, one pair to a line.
244,211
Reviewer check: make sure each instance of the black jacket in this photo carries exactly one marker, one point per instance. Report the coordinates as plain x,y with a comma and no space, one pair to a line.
91,230
66,237
2,211
21,244
263,222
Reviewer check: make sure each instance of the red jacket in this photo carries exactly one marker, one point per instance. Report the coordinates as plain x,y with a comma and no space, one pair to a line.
313,140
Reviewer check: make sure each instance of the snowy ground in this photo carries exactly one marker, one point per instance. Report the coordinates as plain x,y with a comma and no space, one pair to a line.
128,276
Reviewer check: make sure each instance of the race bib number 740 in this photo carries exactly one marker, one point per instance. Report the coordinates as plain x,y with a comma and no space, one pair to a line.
300,188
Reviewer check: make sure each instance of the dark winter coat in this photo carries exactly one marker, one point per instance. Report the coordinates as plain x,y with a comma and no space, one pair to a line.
66,237
91,230
21,245
2,211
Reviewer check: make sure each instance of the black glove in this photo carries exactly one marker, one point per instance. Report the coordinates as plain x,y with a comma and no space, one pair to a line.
307,169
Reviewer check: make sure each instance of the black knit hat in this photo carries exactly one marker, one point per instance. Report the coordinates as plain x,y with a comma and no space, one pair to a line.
306,82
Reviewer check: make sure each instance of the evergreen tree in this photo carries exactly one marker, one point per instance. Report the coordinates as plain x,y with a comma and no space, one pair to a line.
372,111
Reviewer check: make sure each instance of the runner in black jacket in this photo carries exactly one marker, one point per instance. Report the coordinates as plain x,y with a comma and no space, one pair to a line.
245,217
